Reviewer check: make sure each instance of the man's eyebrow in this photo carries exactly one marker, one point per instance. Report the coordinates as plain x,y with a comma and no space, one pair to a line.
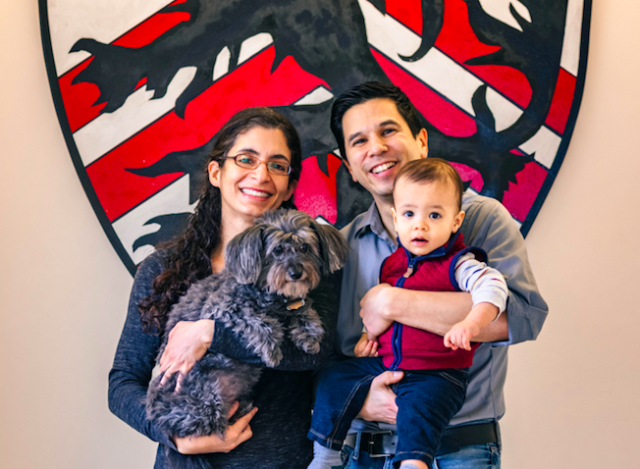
354,135
381,124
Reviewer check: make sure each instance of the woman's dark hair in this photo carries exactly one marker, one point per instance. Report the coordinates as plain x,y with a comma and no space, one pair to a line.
188,257
432,170
365,92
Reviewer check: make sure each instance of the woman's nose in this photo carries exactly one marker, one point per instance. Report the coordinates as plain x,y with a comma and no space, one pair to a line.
261,173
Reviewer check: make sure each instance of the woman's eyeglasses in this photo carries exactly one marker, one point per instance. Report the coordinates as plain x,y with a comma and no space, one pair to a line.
279,168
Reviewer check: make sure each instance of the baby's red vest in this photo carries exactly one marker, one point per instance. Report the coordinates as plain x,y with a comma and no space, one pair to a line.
407,348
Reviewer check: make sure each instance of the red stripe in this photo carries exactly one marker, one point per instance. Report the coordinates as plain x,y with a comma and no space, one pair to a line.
459,42
408,12
519,198
469,174
316,192
444,115
250,85
78,99
562,100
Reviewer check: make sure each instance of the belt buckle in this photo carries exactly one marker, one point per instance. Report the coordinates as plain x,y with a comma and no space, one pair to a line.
375,445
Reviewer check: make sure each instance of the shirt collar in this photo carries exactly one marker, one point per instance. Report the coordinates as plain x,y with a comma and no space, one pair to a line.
371,221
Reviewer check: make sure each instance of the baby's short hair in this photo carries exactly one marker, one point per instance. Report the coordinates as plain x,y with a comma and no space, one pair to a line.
432,170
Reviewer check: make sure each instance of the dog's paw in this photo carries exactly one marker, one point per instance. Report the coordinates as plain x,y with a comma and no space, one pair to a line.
311,345
273,358
307,337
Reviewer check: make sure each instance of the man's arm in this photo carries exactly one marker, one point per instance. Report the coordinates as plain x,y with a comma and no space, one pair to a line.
435,312
489,226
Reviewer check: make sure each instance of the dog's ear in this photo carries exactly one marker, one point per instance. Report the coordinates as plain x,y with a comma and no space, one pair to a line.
333,247
243,256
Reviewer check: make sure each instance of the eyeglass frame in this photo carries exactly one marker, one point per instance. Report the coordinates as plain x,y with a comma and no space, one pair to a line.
269,168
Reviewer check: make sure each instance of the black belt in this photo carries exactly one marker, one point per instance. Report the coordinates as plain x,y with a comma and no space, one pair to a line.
384,443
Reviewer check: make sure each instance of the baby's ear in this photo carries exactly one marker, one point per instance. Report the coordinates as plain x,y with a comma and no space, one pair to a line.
243,256
457,221
333,247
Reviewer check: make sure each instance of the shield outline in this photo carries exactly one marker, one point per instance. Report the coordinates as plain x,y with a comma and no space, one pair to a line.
117,243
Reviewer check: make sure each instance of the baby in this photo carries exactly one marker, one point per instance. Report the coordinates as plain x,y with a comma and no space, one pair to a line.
430,256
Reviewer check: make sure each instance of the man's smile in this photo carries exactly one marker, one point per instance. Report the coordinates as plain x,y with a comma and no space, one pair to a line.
383,167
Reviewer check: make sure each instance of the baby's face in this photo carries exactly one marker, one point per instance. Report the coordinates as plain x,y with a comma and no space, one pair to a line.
425,214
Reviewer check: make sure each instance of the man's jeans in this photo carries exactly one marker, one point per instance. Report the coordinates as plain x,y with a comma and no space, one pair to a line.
486,456
427,399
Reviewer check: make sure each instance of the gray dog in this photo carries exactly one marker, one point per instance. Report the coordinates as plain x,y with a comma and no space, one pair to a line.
260,296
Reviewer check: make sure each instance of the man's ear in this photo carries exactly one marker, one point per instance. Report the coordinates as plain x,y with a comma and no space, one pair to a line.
423,142
457,222
214,173
348,166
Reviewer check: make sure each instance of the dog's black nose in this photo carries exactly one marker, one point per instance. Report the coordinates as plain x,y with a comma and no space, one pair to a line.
295,272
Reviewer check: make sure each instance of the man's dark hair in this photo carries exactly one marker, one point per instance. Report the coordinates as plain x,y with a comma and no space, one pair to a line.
364,92
432,170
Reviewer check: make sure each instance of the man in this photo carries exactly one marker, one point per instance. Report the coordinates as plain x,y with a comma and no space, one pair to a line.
378,131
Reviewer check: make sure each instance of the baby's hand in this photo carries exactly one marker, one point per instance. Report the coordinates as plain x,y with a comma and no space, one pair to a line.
366,347
460,335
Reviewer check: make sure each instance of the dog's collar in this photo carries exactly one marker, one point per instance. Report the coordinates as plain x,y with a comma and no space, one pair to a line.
294,304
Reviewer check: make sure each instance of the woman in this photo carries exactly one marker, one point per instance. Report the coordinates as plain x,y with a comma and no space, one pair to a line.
266,162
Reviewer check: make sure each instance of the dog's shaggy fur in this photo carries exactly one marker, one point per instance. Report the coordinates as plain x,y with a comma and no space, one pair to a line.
270,265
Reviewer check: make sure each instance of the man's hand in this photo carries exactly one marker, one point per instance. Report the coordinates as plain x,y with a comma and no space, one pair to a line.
380,404
374,307
236,434
366,347
188,342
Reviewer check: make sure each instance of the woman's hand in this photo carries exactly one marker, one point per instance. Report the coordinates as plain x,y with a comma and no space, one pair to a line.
235,435
188,342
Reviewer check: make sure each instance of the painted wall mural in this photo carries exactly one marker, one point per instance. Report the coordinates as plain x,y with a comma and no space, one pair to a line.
142,87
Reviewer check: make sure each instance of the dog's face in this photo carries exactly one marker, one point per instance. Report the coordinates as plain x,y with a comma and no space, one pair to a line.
286,252
292,263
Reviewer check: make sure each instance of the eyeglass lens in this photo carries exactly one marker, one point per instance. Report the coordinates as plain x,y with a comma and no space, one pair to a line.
251,162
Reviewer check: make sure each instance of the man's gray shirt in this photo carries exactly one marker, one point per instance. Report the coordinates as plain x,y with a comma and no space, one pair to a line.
488,225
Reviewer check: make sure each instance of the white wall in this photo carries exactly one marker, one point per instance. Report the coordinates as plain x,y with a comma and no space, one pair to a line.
571,396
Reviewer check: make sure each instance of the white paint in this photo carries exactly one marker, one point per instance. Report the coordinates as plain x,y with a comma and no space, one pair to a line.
436,69
504,111
500,10
253,45
221,67
451,80
543,146
172,199
108,130
317,96
570,59
104,21
384,29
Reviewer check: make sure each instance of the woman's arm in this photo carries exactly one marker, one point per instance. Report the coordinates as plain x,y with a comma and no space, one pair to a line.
131,373
325,301
135,360
189,341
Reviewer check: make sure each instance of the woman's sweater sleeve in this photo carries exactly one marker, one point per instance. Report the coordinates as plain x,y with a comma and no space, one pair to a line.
325,301
135,359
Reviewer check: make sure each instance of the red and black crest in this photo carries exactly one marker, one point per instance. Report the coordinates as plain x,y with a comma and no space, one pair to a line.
142,87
